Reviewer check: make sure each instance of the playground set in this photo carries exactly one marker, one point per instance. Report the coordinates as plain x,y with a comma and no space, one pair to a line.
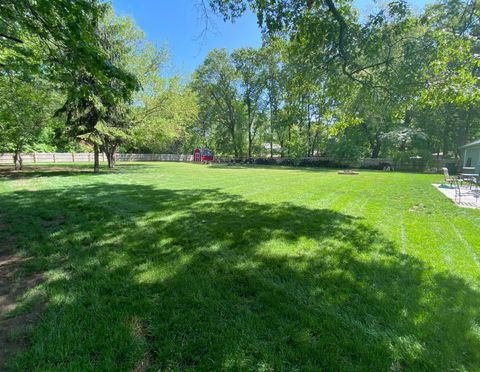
203,155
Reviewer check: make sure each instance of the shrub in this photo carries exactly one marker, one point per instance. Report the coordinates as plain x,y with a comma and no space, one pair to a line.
413,160
265,161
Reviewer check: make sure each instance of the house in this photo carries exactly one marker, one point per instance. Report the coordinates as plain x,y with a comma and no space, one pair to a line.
471,155
275,146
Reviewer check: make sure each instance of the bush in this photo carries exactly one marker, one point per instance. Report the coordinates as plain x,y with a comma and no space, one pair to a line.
302,162
413,160
286,162
265,161
374,165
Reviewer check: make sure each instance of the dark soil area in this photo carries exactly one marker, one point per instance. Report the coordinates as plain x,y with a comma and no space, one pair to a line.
12,286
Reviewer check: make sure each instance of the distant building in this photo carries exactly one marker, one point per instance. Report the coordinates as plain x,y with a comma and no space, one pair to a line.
471,155
439,155
275,146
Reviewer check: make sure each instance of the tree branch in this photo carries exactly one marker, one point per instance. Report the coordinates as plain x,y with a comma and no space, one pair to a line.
11,38
343,27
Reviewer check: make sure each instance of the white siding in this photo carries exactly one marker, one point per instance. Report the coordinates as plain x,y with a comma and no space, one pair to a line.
474,154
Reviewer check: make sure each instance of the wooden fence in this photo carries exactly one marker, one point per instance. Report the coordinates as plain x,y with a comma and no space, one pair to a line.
81,157
67,157
154,157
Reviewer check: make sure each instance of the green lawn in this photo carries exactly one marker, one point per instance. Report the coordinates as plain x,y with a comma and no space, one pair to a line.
182,266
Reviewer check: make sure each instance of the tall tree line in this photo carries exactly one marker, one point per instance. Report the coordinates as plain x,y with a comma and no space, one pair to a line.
328,82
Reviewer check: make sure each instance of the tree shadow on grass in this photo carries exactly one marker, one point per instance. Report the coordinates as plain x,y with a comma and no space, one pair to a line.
179,279
30,171
68,170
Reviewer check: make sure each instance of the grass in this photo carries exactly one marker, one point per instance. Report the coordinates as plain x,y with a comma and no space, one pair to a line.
181,266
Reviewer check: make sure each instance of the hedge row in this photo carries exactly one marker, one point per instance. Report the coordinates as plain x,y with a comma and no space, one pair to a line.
305,162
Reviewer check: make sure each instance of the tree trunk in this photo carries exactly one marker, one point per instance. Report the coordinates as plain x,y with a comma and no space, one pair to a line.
289,140
250,140
17,160
446,133
464,129
309,134
110,152
445,141
234,141
111,160
271,127
376,144
235,151
231,129
271,135
250,124
314,142
96,159
281,142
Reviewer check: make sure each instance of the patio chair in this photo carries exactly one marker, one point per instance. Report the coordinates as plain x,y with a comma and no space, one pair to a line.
472,192
470,179
458,190
476,184
451,180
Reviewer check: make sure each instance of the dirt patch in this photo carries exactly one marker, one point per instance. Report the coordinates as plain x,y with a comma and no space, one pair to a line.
12,286
140,333
143,365
418,208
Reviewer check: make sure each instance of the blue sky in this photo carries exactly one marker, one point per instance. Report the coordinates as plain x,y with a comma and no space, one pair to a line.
178,24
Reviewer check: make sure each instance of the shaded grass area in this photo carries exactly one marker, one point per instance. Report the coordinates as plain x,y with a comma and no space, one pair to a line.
182,267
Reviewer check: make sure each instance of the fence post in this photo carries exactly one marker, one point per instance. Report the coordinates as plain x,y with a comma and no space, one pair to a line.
54,159
73,157
34,157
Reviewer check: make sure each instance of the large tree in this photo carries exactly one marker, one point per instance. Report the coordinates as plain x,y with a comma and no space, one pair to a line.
25,108
249,65
100,116
165,121
216,82
271,54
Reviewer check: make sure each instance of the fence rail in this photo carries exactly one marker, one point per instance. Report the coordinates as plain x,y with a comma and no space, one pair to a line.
154,157
82,157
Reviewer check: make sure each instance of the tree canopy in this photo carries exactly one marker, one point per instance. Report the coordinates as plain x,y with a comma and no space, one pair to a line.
395,81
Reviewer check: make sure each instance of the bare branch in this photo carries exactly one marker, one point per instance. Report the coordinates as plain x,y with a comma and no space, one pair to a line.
205,17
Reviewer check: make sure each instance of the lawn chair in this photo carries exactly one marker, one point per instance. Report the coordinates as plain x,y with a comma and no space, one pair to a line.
458,189
451,180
